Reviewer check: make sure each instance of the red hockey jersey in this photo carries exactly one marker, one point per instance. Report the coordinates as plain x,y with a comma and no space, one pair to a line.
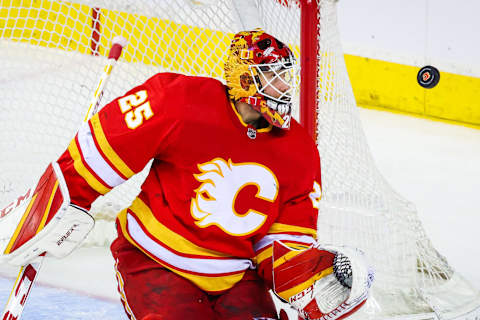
218,192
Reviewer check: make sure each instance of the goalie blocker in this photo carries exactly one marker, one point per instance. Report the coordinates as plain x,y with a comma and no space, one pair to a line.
42,221
321,282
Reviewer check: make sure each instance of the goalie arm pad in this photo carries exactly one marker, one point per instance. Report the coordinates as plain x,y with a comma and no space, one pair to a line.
42,221
321,282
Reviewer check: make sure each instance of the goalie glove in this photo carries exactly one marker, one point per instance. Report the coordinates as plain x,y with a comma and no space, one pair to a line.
42,221
324,283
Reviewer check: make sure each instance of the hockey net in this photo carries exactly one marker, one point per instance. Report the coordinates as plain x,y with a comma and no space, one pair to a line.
52,54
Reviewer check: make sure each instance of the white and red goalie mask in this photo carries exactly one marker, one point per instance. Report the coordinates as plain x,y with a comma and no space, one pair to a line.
262,71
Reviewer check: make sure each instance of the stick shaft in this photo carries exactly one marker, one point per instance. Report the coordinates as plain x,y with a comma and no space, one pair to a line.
21,290
114,54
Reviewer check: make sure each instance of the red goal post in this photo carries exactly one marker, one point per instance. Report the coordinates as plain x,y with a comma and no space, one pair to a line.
309,46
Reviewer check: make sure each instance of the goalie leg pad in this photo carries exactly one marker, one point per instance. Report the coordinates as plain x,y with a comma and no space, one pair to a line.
324,283
42,221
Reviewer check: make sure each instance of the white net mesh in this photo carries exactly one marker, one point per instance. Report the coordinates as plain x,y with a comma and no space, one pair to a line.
360,209
49,72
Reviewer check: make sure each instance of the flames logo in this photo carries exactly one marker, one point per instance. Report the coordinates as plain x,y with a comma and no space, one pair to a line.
221,182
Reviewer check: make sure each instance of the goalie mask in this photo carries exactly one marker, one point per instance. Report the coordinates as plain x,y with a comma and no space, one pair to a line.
261,71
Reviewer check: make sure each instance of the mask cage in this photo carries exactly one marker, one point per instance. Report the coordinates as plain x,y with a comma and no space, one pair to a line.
283,74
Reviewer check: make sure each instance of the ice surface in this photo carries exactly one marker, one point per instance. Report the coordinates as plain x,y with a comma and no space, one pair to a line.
60,304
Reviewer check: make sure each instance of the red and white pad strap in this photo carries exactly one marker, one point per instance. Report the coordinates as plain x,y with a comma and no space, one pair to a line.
42,221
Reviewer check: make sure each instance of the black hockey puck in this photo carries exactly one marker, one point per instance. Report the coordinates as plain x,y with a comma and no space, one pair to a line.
428,77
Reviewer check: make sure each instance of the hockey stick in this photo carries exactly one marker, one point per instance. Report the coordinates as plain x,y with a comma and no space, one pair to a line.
28,274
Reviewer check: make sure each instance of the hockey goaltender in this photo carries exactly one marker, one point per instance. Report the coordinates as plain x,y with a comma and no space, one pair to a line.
228,210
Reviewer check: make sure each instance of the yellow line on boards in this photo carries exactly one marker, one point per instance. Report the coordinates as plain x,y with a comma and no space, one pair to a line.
393,87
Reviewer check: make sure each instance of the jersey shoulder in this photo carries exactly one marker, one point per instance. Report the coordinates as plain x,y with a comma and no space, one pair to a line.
184,84
191,98
303,139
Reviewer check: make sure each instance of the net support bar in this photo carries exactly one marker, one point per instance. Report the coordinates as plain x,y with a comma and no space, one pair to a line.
308,75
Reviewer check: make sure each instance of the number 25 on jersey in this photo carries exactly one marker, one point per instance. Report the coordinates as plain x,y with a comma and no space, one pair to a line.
136,108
